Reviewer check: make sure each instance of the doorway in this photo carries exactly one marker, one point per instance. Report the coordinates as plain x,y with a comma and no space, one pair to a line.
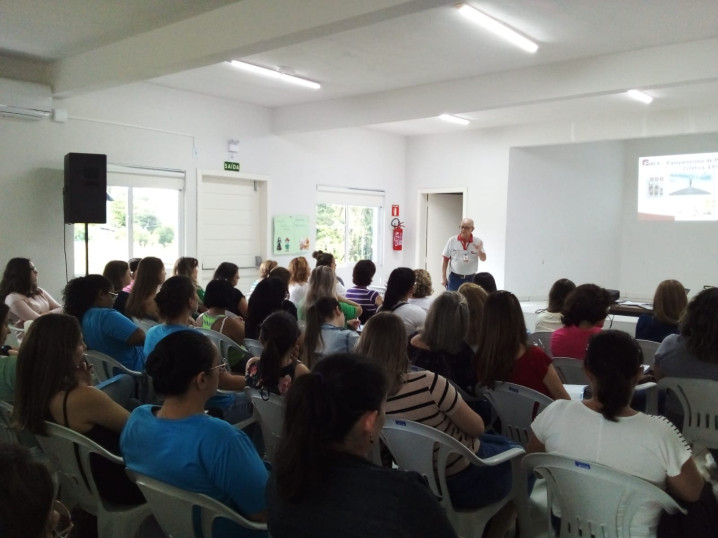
440,212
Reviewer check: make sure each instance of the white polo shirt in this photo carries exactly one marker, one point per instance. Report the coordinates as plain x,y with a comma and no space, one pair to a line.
463,255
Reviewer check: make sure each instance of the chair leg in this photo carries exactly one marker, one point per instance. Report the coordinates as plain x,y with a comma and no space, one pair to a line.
520,495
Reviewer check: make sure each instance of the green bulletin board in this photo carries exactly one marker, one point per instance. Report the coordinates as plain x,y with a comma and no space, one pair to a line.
291,235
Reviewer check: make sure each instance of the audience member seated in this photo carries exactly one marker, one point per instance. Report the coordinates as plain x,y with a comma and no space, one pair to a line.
322,484
426,397
399,289
118,272
181,445
264,269
54,382
189,267
89,299
8,358
486,281
669,302
423,290
275,370
368,300
584,312
230,272
149,277
176,300
323,284
18,289
694,351
27,509
134,264
218,298
441,345
606,430
299,279
325,333
269,296
326,259
475,299
550,319
504,354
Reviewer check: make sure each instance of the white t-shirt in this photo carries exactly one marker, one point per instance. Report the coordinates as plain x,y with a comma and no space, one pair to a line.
548,321
412,316
297,292
645,446
463,257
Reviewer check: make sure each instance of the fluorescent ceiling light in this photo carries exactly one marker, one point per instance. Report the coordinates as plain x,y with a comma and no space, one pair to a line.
454,119
271,73
638,95
497,28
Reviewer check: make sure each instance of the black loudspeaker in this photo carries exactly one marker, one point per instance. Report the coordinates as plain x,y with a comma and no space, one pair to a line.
85,192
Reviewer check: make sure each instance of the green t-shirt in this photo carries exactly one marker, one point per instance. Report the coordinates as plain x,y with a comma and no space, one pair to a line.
8,366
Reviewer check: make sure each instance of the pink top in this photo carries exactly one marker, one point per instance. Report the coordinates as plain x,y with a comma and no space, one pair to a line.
23,308
571,341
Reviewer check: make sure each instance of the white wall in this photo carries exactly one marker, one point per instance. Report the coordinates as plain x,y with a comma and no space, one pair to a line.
148,125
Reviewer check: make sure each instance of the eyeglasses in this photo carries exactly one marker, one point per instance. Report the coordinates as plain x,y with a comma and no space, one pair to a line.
113,293
222,364
33,269
64,522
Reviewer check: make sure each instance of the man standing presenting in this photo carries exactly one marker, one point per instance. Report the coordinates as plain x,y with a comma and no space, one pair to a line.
464,252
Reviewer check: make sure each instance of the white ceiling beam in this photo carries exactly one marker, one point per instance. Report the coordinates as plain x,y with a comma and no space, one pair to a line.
240,29
665,66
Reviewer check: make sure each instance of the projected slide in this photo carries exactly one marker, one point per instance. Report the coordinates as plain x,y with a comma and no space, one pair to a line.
678,187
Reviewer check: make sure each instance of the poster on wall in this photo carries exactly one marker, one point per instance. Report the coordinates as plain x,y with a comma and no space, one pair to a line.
291,235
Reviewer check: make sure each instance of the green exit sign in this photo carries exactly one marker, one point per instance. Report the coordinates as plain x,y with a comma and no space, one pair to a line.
233,167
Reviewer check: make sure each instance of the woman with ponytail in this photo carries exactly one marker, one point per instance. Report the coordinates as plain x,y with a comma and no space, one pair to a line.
606,430
322,484
324,333
276,368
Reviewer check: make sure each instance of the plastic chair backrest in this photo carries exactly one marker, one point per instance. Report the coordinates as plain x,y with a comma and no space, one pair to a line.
699,399
7,432
649,349
270,409
254,346
145,324
516,406
106,367
178,511
570,370
541,339
595,500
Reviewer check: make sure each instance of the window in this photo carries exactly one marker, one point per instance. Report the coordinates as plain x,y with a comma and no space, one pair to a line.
143,219
349,223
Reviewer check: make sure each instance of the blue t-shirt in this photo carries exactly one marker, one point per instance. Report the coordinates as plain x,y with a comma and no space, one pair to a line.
201,454
107,331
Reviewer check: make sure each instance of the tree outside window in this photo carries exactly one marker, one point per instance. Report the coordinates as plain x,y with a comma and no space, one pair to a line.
349,232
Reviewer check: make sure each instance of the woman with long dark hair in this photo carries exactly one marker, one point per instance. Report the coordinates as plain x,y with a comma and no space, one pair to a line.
230,272
504,353
550,319
189,267
276,368
118,273
149,277
606,430
399,289
324,333
269,296
333,416
19,290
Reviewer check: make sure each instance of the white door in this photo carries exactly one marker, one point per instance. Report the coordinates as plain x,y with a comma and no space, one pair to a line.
443,215
231,224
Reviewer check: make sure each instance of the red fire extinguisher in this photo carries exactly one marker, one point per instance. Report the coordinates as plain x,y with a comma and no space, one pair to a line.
398,234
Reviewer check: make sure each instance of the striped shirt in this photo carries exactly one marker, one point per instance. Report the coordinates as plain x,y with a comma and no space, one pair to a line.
428,398
365,298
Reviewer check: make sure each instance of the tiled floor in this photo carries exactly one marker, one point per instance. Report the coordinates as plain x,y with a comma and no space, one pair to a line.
538,512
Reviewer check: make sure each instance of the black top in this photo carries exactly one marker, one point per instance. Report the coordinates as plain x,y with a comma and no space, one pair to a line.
457,367
359,499
649,328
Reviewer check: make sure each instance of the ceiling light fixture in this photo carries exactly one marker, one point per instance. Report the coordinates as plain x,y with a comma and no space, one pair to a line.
454,119
638,95
497,28
271,73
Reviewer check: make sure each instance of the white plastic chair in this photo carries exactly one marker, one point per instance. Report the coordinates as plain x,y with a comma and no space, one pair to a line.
270,411
223,342
7,432
570,370
106,367
541,339
177,510
516,406
144,324
595,500
254,346
413,444
649,349
699,400
69,452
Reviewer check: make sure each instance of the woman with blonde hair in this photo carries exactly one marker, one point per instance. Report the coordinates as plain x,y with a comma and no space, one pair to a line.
441,346
669,303
264,269
423,290
475,299
189,267
149,277
299,279
322,284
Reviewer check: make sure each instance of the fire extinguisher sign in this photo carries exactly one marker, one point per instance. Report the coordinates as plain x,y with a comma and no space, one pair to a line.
395,210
